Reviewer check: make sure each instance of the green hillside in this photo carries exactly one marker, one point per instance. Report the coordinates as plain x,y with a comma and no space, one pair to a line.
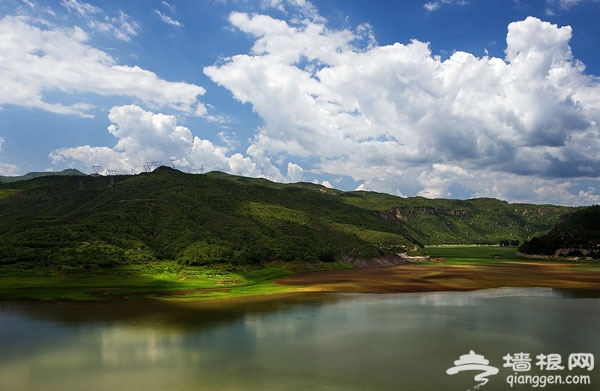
75,221
474,221
576,235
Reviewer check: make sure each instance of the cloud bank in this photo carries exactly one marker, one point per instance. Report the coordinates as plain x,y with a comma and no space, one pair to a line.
144,136
333,104
401,120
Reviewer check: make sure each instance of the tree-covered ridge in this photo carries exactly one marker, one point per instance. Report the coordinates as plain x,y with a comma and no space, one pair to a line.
215,217
576,235
474,221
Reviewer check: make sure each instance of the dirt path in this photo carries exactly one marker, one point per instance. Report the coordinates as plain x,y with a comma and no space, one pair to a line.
423,278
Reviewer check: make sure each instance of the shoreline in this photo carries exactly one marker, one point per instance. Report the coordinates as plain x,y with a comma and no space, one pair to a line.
399,278
444,277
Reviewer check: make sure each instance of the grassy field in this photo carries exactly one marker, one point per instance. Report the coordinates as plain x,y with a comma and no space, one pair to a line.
450,268
168,280
474,254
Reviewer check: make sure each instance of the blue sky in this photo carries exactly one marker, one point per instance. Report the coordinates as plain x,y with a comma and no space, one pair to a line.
440,98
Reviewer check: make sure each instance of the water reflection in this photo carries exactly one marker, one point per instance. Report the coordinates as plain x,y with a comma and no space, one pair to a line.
129,346
331,342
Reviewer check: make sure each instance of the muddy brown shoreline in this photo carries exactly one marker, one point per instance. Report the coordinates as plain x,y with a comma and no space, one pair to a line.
428,278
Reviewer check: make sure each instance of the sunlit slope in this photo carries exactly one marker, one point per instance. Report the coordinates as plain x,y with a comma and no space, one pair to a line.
474,221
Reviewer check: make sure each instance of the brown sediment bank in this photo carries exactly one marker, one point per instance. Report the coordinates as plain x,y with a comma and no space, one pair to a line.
425,278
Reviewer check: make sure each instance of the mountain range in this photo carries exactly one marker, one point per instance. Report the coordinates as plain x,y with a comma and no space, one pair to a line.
75,220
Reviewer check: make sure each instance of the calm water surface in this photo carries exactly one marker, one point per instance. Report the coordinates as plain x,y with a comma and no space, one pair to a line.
325,342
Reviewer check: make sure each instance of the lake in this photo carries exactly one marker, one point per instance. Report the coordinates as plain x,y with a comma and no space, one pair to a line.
298,342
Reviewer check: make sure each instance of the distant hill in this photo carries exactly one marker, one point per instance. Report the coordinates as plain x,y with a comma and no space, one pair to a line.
31,175
215,217
576,235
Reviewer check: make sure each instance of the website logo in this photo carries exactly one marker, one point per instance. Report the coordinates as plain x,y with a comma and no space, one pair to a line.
521,365
474,362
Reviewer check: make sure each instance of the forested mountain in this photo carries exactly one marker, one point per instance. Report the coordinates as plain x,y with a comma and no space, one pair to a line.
576,235
197,219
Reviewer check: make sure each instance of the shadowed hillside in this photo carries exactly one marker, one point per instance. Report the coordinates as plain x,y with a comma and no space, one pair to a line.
215,217
576,235
31,175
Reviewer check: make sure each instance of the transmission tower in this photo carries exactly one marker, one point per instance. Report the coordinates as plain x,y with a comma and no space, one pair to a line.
96,169
156,163
148,167
112,174
190,167
172,162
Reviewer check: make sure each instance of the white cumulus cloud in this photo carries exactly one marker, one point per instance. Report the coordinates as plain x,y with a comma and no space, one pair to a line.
396,117
7,169
39,61
144,136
